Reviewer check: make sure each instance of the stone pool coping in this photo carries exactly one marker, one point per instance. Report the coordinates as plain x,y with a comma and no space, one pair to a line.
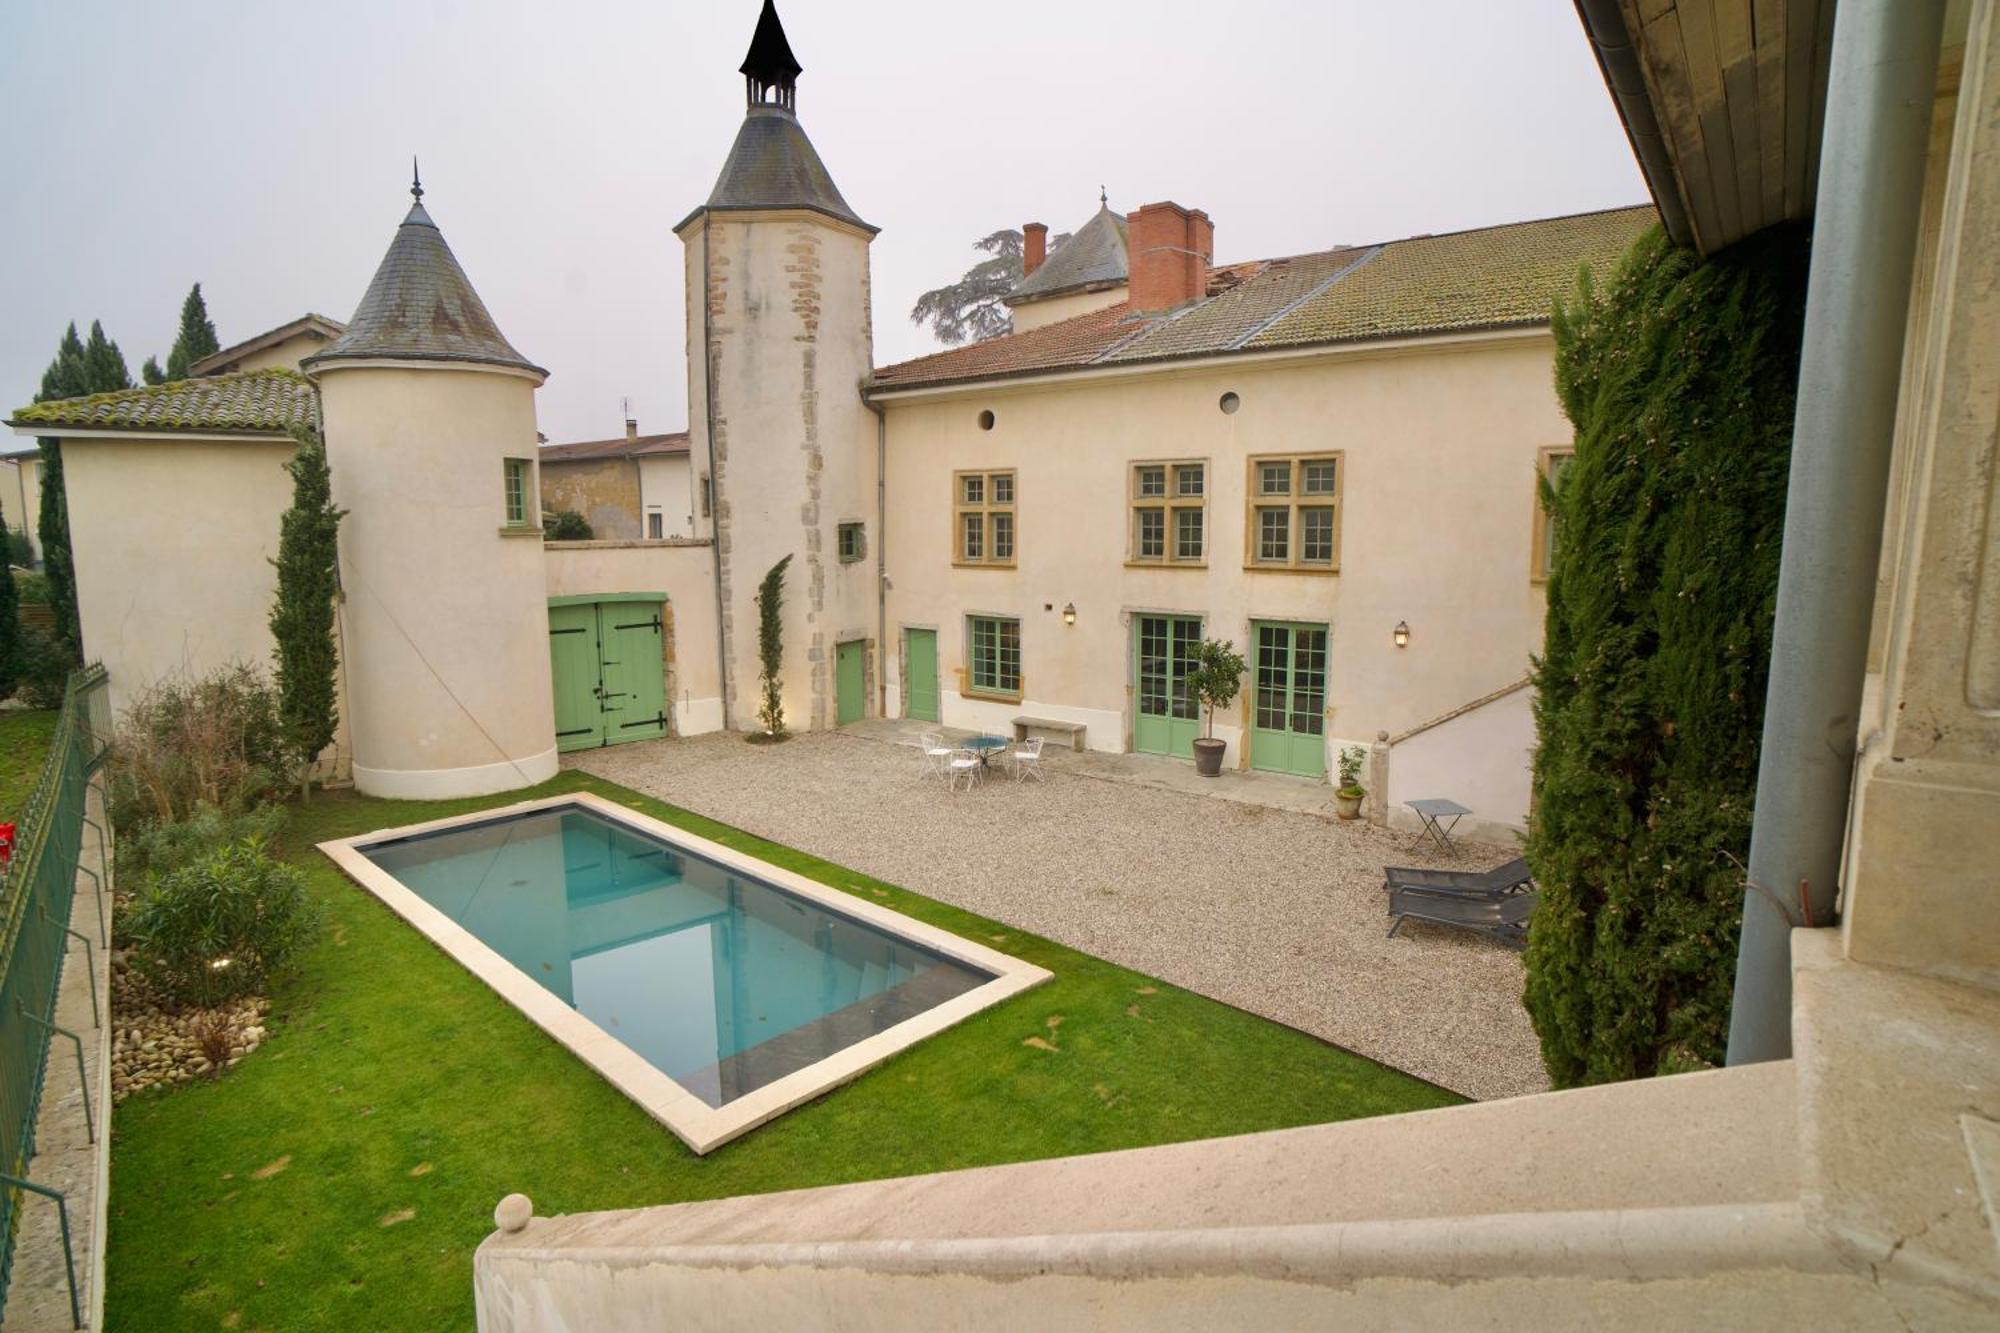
700,1126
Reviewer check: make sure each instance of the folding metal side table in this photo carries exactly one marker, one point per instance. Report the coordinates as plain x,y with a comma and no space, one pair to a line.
1429,813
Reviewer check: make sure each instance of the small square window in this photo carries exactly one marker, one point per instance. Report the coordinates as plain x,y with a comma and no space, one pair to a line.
975,490
1188,480
1274,534
656,527
852,543
1187,534
996,655
1003,488
1152,533
1274,479
1152,481
1317,478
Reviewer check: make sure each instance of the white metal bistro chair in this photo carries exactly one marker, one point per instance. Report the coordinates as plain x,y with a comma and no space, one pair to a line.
965,764
1028,759
937,755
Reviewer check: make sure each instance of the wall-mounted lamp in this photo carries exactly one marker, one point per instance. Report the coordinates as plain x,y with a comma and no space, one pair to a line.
1069,613
1402,634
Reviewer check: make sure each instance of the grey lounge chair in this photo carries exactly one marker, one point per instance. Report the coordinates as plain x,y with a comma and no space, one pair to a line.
1498,882
1503,919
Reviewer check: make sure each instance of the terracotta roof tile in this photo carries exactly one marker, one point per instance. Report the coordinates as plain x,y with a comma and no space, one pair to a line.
645,446
249,402
1066,343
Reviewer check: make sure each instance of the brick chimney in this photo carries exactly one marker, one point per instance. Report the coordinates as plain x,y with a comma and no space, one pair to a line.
1170,250
1034,246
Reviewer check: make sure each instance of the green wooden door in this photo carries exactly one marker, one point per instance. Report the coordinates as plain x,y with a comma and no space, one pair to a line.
1166,720
921,674
633,672
573,663
849,694
1288,711
609,673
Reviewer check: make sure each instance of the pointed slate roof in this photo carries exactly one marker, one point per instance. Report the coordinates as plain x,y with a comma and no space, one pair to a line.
1095,256
770,59
773,164
421,307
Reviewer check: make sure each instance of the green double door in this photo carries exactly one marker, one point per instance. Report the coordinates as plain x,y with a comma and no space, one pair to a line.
1166,720
920,674
609,671
1288,710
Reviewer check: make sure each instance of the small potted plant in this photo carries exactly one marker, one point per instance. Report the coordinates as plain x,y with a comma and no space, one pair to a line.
1216,680
1347,797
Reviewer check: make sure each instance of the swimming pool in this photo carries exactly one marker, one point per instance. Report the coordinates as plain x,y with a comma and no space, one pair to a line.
715,989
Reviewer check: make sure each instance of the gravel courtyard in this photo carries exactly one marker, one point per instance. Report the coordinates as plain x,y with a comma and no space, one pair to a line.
1276,912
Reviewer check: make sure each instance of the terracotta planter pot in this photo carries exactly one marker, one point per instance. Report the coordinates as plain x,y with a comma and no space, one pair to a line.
1348,807
1208,756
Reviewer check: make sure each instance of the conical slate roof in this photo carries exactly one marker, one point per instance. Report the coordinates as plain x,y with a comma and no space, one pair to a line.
773,164
1095,256
770,59
421,307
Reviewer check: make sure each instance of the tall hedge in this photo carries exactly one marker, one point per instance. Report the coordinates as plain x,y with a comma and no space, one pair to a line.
1679,377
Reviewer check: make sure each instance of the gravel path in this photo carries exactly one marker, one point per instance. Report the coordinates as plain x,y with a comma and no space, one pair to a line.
1275,912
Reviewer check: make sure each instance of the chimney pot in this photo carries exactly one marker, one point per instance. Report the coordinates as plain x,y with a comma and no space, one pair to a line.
1034,246
1170,249
631,428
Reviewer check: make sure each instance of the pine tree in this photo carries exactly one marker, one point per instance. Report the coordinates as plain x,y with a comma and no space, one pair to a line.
196,338
66,377
103,364
302,613
151,372
1680,378
10,624
771,648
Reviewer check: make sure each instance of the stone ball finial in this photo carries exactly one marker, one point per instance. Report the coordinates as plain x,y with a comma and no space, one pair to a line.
1381,735
513,1213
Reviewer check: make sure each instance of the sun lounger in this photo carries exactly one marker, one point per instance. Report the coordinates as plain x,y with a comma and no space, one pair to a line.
1503,919
1498,882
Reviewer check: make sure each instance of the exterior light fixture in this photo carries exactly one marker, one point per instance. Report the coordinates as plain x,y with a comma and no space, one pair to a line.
1402,634
1069,613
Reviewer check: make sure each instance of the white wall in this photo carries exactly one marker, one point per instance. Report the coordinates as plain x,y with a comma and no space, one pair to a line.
685,572
666,486
1482,759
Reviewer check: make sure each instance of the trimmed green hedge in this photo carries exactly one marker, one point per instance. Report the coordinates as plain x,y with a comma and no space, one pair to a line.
1679,377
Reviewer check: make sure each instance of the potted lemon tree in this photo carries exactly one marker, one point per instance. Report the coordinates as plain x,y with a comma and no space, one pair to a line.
1216,680
1347,797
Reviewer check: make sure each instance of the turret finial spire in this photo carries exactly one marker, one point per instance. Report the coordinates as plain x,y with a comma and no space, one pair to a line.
416,181
770,67
1103,197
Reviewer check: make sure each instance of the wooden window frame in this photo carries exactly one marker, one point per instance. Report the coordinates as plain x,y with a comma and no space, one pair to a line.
1541,548
1294,501
1170,503
971,687
859,531
985,510
510,469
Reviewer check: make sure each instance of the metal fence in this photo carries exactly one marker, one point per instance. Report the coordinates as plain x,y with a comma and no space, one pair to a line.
36,889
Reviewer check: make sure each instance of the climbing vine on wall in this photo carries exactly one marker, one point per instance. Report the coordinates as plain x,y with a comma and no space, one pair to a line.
1678,375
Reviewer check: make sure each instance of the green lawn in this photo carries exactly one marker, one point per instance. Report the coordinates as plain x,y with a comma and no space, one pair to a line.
342,1175
24,743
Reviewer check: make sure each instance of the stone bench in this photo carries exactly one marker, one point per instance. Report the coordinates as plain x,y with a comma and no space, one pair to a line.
1073,730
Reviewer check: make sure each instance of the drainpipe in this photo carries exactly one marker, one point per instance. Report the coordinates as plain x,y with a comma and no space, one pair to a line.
1880,89
1604,22
714,479
881,551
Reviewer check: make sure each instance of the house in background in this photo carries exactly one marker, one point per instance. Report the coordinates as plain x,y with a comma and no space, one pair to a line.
21,493
283,347
634,488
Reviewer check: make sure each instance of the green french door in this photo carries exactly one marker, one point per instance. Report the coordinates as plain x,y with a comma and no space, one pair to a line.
1288,712
849,687
609,673
921,674
1166,720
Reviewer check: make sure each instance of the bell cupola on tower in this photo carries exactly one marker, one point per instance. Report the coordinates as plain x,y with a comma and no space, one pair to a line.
429,418
778,340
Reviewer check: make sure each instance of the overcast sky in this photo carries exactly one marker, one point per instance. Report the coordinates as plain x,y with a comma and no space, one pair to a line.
263,149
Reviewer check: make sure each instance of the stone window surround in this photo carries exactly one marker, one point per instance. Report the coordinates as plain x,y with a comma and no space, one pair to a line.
969,676
1295,501
987,507
1543,546
1170,503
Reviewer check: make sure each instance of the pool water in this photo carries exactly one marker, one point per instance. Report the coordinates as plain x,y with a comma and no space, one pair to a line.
721,981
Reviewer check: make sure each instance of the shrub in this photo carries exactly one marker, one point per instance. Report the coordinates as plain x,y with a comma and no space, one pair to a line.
157,847
566,525
1352,757
33,585
1679,378
42,666
223,925
19,549
211,740
771,649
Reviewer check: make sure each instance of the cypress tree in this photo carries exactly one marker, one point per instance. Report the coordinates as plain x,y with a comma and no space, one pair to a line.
103,364
10,623
1680,379
771,648
302,612
196,338
151,372
66,377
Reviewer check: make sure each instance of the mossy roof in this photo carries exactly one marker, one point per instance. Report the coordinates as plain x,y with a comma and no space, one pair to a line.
251,402
1492,277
